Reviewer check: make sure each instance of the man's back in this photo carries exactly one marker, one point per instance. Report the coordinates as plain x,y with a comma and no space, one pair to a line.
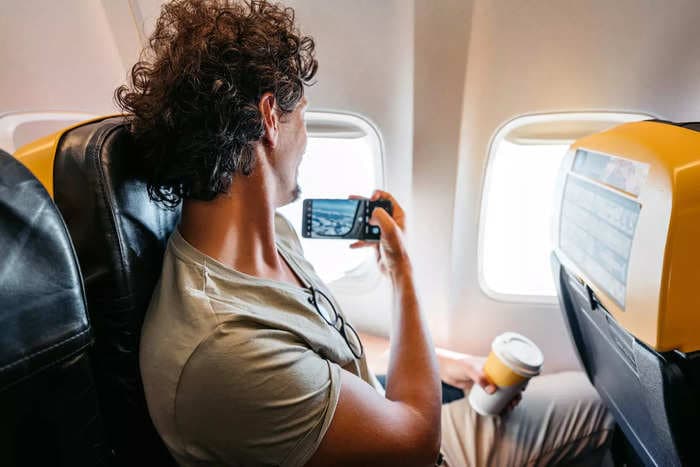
239,369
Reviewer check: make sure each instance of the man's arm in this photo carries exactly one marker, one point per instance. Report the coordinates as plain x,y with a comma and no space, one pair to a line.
456,369
404,428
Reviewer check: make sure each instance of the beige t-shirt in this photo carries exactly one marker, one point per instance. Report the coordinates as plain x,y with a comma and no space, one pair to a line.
240,370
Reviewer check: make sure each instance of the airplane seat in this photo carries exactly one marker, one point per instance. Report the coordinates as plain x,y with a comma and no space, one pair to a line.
120,237
626,227
48,404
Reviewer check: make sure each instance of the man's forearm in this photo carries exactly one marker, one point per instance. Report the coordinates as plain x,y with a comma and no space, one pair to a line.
413,376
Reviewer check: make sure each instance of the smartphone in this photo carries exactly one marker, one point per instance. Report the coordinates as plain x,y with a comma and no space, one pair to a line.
341,218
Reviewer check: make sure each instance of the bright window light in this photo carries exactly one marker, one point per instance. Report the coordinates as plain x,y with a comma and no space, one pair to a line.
516,232
335,166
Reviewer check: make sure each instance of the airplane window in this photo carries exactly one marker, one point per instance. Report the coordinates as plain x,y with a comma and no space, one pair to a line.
516,212
343,157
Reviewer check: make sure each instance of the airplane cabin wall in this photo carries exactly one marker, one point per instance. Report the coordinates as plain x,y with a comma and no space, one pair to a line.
532,57
441,42
57,56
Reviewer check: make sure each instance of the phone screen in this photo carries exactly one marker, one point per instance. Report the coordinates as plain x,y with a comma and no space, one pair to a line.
341,218
333,218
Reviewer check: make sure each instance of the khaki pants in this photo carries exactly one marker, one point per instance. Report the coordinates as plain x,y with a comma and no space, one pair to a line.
560,421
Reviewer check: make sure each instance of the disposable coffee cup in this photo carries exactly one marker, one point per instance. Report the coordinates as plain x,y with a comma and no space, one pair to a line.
513,360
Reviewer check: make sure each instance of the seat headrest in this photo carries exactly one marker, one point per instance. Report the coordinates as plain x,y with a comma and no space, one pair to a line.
43,317
118,232
120,237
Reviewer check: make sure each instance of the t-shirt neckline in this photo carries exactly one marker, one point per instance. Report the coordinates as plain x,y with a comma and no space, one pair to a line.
184,248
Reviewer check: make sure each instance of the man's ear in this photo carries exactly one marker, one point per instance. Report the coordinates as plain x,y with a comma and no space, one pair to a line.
270,117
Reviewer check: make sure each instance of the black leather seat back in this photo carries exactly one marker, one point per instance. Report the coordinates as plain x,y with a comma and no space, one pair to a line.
48,406
120,237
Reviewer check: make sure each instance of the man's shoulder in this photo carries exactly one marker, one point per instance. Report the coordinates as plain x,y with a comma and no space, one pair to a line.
286,234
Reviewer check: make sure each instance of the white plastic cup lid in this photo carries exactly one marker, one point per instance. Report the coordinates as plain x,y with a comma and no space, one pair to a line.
519,353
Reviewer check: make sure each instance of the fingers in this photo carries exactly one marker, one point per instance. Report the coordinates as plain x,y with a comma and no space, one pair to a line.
477,375
380,194
383,219
512,404
398,213
489,387
377,195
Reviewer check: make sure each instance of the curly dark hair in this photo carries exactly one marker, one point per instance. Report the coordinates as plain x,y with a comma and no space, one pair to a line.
194,94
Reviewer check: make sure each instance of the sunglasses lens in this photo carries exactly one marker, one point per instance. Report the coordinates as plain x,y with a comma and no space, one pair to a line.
353,340
326,311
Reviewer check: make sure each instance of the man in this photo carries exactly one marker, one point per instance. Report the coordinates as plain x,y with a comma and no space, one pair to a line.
246,357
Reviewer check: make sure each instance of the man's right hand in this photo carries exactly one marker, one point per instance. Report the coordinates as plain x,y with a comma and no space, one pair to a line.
392,257
402,428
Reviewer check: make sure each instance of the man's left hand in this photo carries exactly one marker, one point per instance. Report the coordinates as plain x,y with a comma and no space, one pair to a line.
462,371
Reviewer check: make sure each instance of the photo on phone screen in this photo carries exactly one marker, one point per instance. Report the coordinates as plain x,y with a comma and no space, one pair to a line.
340,218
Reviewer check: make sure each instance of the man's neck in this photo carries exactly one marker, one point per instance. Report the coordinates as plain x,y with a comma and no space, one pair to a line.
238,228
